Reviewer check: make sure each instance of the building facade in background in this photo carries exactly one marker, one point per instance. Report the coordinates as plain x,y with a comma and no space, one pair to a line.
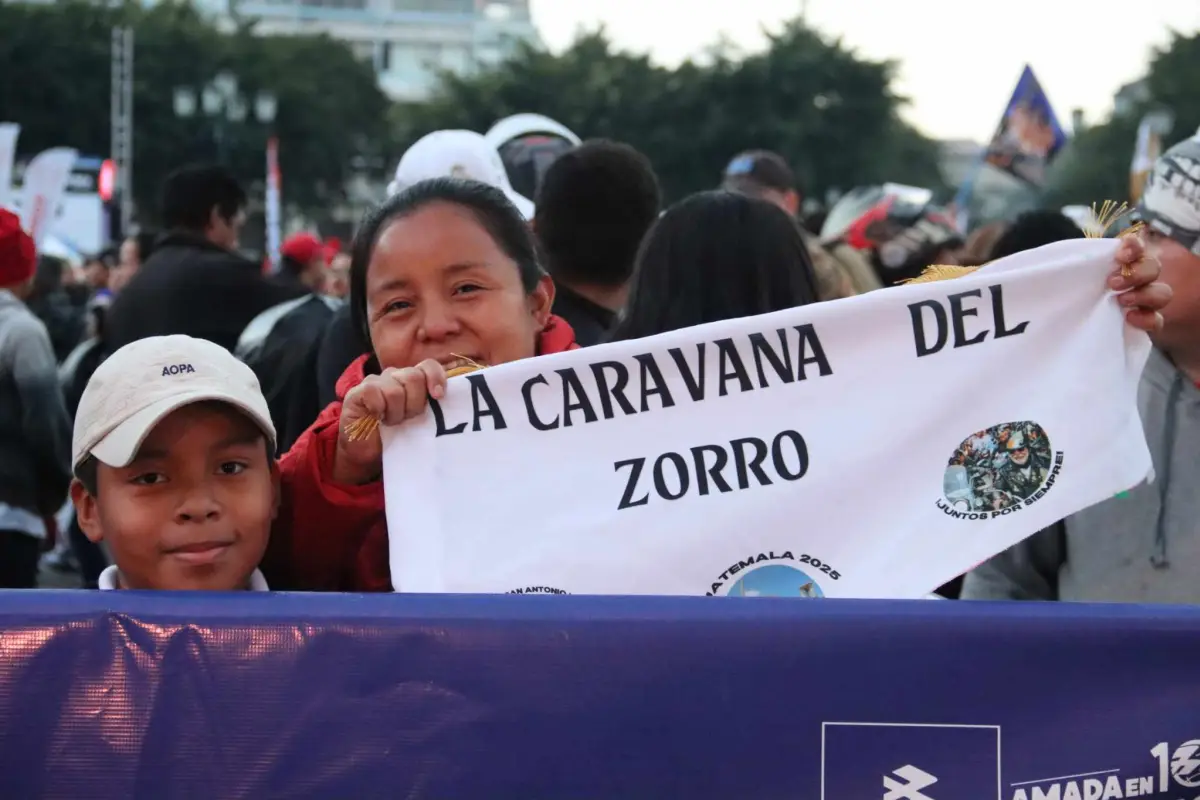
408,41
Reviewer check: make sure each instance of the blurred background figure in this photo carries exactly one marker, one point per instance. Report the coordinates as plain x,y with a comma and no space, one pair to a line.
63,314
303,261
595,204
1034,229
897,228
716,256
337,277
195,282
96,271
767,176
977,250
35,434
132,254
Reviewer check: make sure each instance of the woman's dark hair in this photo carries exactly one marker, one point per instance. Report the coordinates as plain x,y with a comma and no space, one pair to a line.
1035,229
498,216
715,256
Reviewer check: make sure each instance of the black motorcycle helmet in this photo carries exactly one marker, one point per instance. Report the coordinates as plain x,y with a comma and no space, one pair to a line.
528,144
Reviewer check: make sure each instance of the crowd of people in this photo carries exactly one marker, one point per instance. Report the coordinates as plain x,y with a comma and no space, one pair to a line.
202,414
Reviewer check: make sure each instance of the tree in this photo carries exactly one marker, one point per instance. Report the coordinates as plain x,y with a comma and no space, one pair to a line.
54,81
830,112
1095,165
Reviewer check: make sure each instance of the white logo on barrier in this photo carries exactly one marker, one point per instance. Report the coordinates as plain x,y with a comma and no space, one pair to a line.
1185,764
1181,764
915,780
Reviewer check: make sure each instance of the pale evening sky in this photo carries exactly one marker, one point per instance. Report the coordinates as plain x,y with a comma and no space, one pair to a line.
959,59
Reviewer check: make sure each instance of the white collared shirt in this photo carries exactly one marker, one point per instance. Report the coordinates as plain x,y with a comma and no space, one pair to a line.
108,580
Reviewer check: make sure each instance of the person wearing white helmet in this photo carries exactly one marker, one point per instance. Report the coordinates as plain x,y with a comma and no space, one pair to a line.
456,154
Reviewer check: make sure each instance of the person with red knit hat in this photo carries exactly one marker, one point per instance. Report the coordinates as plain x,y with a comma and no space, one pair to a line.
303,258
35,432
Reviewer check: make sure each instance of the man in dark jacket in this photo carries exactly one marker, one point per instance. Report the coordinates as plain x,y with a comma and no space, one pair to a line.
35,434
195,283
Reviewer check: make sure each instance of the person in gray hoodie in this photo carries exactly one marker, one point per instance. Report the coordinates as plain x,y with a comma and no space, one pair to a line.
1142,546
35,433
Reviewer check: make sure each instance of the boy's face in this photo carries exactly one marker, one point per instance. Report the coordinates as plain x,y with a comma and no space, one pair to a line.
194,508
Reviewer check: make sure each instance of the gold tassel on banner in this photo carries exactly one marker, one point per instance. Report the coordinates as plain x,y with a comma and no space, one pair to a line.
366,426
1108,215
1105,217
940,272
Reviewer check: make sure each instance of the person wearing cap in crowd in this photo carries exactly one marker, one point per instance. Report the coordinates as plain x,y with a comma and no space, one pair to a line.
194,282
456,154
173,455
1142,546
593,210
35,433
765,175
303,260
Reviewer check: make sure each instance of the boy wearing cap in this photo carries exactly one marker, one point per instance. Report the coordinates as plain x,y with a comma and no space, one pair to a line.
34,427
173,458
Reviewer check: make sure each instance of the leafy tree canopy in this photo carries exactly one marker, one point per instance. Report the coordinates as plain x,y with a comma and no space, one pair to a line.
831,113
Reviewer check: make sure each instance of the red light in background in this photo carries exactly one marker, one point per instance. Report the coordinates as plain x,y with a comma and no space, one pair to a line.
106,182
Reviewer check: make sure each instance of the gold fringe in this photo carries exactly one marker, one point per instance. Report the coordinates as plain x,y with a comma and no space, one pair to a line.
940,272
1104,218
365,427
361,428
1107,216
1133,230
470,366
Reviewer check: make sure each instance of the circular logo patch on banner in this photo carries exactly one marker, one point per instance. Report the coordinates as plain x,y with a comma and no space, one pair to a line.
999,470
774,574
775,580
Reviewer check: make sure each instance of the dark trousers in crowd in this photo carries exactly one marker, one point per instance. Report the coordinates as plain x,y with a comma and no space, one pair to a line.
19,553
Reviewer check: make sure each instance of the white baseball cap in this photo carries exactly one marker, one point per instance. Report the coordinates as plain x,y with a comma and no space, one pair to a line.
143,382
456,154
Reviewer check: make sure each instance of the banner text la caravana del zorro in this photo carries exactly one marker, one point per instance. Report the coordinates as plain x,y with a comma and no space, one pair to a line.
869,447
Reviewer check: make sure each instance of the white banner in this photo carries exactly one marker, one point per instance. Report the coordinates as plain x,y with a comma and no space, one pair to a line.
9,131
43,187
875,446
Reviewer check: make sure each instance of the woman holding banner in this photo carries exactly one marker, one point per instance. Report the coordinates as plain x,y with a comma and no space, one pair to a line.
442,275
445,275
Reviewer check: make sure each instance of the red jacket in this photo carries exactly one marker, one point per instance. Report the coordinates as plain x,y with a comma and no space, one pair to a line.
330,536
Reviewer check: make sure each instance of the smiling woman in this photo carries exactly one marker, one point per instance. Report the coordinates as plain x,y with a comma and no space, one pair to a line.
443,275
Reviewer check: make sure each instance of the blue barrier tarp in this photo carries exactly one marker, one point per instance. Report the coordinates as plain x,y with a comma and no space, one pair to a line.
128,695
